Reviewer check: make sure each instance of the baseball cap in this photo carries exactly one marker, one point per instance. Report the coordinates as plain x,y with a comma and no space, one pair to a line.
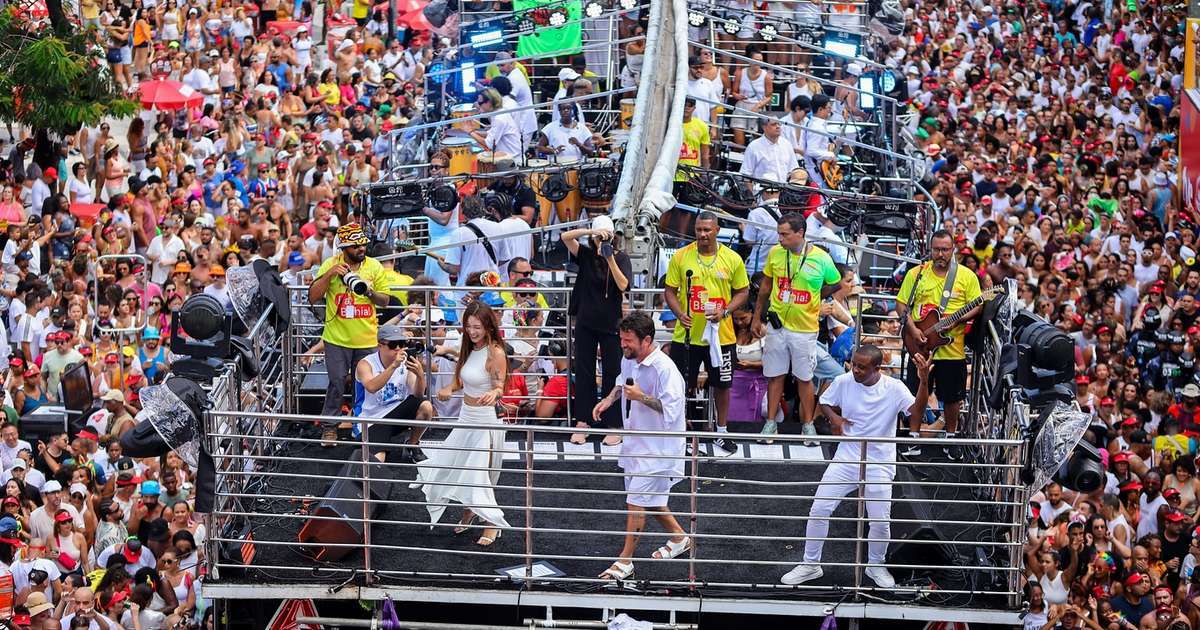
37,603
1107,402
114,395
128,351
1171,492
132,550
436,316
295,258
1122,456
567,74
52,486
1175,516
78,488
150,487
1191,390
1082,379
123,464
603,222
8,524
62,517
1134,578
391,332
1131,421
150,333
18,463
217,271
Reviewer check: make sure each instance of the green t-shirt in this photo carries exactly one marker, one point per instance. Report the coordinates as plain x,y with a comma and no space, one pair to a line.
796,283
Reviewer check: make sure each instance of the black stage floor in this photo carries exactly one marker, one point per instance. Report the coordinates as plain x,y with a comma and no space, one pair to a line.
553,455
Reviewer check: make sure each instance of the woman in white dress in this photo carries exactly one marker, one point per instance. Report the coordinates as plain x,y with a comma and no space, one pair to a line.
467,465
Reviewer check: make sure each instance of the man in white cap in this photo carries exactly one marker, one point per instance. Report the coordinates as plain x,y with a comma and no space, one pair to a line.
521,93
41,520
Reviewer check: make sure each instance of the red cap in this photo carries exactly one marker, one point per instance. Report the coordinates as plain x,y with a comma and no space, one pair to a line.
62,517
1082,379
1122,456
1131,485
1171,492
1107,402
1134,578
130,555
1174,516
1104,330
88,433
1129,422
1156,288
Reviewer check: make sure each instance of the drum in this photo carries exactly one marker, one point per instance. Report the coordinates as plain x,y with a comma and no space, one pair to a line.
462,158
462,110
627,112
559,201
598,184
488,160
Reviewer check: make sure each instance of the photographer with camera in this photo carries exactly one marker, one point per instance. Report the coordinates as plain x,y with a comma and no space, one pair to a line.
352,285
603,279
388,384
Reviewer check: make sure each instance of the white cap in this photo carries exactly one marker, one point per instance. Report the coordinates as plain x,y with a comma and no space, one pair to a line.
435,315
52,486
18,463
854,69
346,43
303,28
602,222
567,74
78,488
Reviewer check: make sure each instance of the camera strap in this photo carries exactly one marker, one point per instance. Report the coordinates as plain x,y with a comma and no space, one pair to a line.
487,244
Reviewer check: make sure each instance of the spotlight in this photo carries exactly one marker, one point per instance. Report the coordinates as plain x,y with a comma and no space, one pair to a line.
629,5
696,19
526,26
731,26
768,32
887,81
593,9
1082,471
558,18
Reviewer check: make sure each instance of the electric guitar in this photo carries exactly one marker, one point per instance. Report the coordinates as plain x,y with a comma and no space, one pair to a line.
936,328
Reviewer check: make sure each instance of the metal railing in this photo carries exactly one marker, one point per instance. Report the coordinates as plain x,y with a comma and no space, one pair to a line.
558,492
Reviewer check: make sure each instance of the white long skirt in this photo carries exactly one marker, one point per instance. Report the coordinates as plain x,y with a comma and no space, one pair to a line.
457,469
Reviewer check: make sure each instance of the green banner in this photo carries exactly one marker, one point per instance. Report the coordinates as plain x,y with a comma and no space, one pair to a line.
549,41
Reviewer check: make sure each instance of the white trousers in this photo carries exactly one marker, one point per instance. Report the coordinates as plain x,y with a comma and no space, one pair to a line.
839,480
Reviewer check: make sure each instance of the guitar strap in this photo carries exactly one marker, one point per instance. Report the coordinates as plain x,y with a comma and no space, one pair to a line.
947,288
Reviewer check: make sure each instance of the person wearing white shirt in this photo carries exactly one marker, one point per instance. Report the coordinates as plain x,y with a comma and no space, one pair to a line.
862,403
793,123
85,605
567,140
468,259
78,190
706,91
521,93
41,190
10,445
650,391
816,139
164,251
770,156
504,135
761,232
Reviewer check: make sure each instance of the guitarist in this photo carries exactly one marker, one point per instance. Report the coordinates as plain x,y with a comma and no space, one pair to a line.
940,284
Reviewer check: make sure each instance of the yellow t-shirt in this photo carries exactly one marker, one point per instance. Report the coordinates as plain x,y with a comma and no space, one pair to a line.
350,318
394,278
330,91
714,279
362,8
796,285
695,135
89,9
928,297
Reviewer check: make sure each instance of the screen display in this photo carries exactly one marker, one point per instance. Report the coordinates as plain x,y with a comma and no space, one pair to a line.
866,98
468,77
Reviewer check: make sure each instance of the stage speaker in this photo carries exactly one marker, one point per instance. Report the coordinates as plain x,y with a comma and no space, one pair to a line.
934,553
340,512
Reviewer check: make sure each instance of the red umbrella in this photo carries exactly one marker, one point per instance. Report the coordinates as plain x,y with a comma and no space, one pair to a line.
167,94
415,20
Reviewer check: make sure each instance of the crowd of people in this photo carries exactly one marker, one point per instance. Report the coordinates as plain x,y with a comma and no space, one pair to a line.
1049,134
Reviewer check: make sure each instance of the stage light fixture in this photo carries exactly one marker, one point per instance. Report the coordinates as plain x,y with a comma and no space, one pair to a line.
887,81
696,19
558,18
629,5
201,316
842,44
593,9
731,26
768,32
526,26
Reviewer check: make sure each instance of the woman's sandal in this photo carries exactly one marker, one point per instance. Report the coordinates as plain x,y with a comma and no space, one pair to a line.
579,438
673,549
618,571
488,541
465,526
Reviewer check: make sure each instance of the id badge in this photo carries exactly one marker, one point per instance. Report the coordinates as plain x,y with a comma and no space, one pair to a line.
787,297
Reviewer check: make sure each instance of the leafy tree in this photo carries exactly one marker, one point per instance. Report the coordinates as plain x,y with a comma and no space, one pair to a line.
53,75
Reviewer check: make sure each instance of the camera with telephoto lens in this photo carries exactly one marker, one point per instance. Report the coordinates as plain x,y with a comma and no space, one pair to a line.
355,283
415,346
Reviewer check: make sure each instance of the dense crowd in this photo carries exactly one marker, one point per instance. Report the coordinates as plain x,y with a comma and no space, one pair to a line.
1049,130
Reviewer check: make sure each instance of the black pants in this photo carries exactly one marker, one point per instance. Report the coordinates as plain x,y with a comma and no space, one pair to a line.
586,341
381,433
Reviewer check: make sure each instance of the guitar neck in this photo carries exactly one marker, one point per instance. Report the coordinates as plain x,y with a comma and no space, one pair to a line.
953,320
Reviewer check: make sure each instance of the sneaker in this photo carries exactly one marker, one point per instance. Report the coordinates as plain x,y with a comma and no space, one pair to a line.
881,576
801,574
910,450
329,437
725,446
769,429
953,453
808,429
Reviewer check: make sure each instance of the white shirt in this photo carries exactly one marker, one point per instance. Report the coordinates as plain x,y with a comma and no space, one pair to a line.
146,559
504,135
526,119
870,411
772,161
1148,519
815,141
474,257
8,454
514,246
41,522
706,92
660,379
21,569
558,135
381,402
38,196
9,257
793,130
163,256
83,192
762,238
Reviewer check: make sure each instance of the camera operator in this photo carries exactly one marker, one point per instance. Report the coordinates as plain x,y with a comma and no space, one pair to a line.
481,255
603,279
388,384
352,286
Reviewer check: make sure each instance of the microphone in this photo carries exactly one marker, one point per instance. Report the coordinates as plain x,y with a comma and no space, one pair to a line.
628,403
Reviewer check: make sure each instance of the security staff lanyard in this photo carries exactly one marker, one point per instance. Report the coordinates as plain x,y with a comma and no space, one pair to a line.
788,259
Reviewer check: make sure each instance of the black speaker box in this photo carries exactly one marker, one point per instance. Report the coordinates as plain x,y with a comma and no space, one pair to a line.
341,511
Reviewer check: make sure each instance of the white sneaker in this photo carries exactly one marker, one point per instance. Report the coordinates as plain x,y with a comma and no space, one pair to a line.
881,577
801,574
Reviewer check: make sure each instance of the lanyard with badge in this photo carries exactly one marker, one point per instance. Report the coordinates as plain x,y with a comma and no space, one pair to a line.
787,297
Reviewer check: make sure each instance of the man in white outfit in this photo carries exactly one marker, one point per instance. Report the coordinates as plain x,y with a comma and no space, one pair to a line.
650,389
816,138
862,403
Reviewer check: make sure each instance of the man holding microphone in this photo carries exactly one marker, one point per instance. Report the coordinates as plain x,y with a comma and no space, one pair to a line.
863,403
352,286
653,399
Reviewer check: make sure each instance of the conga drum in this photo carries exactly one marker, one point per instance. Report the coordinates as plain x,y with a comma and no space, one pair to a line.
463,110
489,159
572,203
597,183
462,158
551,188
627,112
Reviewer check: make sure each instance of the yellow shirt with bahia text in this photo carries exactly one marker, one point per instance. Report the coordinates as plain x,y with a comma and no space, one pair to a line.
714,279
928,297
695,136
796,283
350,318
